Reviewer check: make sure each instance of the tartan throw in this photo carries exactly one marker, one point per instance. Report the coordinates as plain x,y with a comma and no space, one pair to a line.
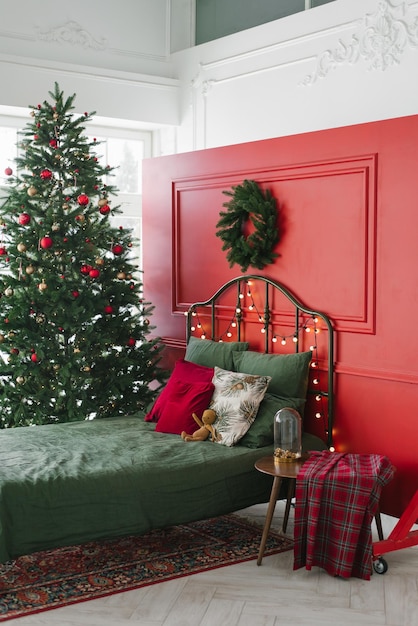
337,497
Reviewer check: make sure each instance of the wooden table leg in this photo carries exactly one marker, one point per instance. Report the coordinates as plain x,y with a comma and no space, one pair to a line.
290,495
269,516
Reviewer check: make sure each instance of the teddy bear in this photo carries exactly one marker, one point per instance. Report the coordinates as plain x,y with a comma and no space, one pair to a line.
206,427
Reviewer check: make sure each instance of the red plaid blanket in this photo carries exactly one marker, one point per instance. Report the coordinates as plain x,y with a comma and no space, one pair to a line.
337,497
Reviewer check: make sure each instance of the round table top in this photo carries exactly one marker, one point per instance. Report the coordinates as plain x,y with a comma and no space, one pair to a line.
281,469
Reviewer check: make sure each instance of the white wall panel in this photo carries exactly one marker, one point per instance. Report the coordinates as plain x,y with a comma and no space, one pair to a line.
347,62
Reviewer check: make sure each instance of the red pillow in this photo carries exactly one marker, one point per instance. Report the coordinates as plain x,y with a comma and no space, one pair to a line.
184,399
186,372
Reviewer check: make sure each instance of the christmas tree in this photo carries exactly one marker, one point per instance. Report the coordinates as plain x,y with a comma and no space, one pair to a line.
73,323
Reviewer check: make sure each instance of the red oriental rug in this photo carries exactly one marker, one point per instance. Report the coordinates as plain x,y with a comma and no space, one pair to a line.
55,578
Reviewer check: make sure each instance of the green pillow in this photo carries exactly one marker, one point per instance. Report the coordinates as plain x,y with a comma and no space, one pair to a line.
289,372
261,432
213,353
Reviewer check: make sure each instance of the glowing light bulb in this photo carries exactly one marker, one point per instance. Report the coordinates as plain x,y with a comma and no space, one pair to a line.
318,415
203,336
229,334
263,330
331,449
307,329
238,310
274,340
194,313
193,328
316,381
241,295
283,341
295,339
318,398
234,324
314,364
199,325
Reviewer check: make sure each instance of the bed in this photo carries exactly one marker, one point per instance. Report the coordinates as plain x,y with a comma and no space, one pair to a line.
65,484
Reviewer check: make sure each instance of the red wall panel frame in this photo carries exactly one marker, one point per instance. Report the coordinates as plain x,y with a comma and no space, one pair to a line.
330,206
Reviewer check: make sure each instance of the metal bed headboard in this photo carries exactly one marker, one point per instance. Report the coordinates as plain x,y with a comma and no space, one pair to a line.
267,320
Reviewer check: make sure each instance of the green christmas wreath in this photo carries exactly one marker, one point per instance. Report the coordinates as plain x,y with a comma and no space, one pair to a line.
249,202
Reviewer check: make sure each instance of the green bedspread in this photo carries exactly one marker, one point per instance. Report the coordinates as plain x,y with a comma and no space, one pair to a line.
65,484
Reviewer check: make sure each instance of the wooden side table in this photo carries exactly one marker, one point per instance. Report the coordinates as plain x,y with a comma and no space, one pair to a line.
279,470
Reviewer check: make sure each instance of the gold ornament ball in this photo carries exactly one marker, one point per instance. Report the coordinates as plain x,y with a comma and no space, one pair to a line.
76,350
100,261
102,202
30,269
65,206
9,292
2,338
21,247
20,380
121,275
56,367
86,368
42,286
32,191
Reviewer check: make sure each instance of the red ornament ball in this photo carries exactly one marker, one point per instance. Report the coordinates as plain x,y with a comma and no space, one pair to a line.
104,210
24,219
75,293
108,309
46,174
117,249
131,342
85,269
3,251
94,273
8,171
34,357
83,200
53,143
46,242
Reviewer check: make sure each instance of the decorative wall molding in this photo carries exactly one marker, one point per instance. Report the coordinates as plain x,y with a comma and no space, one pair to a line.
381,41
356,311
71,33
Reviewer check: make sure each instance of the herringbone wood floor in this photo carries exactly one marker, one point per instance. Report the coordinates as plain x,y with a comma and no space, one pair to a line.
269,595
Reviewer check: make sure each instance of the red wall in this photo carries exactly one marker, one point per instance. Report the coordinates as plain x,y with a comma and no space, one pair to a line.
348,203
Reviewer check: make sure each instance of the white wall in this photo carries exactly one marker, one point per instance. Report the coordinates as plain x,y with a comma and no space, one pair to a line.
114,55
346,62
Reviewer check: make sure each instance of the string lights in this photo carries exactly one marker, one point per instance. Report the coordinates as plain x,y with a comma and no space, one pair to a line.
308,324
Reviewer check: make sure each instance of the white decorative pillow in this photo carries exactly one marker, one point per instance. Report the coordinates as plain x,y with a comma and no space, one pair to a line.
235,400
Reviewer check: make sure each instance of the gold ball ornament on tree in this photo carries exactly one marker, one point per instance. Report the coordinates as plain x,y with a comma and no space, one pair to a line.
8,292
21,247
32,191
2,338
30,269
121,275
102,202
20,380
42,286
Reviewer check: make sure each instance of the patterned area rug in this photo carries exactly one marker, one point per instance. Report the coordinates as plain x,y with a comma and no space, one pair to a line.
54,578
